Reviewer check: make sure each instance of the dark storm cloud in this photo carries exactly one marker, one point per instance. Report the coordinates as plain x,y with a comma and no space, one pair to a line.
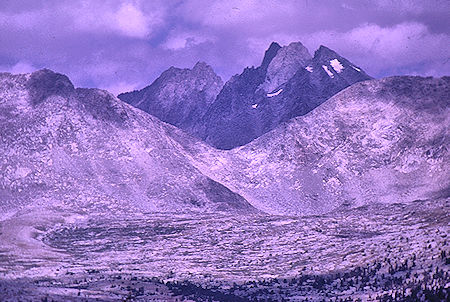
122,45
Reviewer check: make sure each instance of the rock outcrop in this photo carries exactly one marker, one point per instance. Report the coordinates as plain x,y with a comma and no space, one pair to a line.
179,96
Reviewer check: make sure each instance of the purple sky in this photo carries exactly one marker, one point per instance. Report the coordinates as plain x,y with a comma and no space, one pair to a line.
121,45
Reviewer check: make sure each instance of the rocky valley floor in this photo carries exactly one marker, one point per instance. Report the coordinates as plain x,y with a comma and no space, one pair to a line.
378,252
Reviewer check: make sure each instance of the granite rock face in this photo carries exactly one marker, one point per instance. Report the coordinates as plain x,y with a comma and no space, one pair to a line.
84,148
284,65
288,83
259,99
378,141
179,96
102,201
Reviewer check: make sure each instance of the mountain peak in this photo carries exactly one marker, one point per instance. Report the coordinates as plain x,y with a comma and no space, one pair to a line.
201,65
45,83
287,61
179,96
295,51
332,64
270,53
297,45
204,68
325,52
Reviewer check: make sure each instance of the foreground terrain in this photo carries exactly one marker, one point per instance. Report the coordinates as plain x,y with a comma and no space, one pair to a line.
99,200
373,252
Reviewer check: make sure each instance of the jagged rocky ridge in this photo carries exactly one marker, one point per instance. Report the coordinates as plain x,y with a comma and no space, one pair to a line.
376,141
92,190
84,148
179,96
289,82
260,99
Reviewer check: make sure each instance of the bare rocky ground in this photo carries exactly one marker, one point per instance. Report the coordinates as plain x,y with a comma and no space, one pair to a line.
379,252
101,201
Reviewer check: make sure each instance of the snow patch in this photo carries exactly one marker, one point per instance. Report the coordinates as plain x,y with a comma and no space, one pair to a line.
275,93
309,68
254,106
337,65
356,68
328,71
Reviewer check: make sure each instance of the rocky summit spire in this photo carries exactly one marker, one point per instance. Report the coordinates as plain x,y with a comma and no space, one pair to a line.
45,83
288,60
179,96
200,65
270,53
324,52
336,67
289,83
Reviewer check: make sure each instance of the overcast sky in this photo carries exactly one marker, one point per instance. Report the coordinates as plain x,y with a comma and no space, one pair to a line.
121,45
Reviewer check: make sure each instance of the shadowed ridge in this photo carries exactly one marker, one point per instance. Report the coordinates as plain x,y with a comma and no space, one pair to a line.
324,51
270,53
45,83
178,96
102,105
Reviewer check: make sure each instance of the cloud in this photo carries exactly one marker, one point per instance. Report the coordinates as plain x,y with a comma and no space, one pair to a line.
125,18
118,88
178,40
24,21
22,67
19,67
131,21
236,12
412,6
126,44
402,48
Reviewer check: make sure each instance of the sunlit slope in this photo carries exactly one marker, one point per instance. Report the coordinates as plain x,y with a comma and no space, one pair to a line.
377,141
84,148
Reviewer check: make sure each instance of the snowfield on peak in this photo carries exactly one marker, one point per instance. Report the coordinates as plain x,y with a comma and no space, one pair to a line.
102,201
330,74
375,142
275,93
220,115
337,65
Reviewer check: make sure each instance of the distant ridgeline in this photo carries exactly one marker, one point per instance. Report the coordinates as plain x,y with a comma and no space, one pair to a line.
288,83
378,141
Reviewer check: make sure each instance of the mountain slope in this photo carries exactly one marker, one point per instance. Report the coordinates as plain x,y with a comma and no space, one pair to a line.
378,141
288,83
179,96
85,149
260,99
